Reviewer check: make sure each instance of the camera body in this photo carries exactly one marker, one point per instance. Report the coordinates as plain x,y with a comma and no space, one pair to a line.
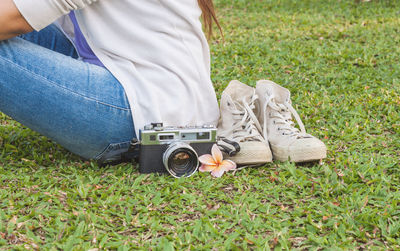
174,149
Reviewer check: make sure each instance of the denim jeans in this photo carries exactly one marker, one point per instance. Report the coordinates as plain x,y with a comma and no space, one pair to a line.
78,105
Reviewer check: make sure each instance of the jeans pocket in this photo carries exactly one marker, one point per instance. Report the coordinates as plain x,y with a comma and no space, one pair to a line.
113,152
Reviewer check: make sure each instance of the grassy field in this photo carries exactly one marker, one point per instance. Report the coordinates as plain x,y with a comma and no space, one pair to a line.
340,59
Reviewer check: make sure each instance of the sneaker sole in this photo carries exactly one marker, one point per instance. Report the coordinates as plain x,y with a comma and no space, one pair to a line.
301,155
249,159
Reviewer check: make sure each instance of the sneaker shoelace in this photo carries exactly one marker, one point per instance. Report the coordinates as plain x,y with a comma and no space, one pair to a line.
282,114
246,126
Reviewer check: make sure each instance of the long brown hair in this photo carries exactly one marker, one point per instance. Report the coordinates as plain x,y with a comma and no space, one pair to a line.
207,7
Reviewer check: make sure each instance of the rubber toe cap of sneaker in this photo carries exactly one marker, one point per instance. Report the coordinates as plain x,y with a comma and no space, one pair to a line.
307,149
252,152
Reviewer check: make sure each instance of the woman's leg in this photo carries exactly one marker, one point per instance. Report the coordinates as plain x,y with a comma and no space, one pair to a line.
78,105
52,38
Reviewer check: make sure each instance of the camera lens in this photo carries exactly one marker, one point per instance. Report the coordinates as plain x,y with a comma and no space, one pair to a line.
180,160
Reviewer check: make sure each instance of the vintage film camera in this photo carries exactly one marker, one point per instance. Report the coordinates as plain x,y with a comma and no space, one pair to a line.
174,149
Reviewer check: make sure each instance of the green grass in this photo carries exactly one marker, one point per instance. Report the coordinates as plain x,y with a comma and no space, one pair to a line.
340,59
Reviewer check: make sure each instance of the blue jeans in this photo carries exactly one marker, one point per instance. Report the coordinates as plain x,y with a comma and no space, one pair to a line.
80,106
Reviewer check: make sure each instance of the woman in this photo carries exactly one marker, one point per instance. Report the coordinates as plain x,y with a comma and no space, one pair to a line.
89,74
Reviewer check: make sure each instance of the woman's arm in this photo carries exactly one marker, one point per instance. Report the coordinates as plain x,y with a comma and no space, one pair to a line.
12,23
41,13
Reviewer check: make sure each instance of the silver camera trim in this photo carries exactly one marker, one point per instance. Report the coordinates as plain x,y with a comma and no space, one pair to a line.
166,134
151,132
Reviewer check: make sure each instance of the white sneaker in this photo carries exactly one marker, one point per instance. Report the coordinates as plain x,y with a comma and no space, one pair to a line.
275,115
239,124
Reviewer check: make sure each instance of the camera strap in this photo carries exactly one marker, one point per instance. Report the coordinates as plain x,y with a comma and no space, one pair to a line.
131,155
133,151
228,146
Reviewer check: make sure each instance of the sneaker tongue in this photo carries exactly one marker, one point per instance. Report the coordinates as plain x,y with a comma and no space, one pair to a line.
238,96
238,91
239,100
280,94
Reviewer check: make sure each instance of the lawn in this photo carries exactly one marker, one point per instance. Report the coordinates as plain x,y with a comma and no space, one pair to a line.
339,59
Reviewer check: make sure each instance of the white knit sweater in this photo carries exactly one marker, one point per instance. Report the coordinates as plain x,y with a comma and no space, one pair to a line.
155,48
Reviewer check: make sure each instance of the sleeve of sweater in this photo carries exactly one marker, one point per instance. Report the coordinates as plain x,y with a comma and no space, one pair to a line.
41,13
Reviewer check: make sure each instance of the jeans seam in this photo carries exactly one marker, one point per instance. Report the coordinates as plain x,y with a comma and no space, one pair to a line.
62,87
99,155
110,147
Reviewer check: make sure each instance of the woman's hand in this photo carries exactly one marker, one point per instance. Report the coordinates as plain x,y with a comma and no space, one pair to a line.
12,23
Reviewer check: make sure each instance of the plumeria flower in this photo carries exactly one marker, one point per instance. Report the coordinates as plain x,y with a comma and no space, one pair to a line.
214,162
